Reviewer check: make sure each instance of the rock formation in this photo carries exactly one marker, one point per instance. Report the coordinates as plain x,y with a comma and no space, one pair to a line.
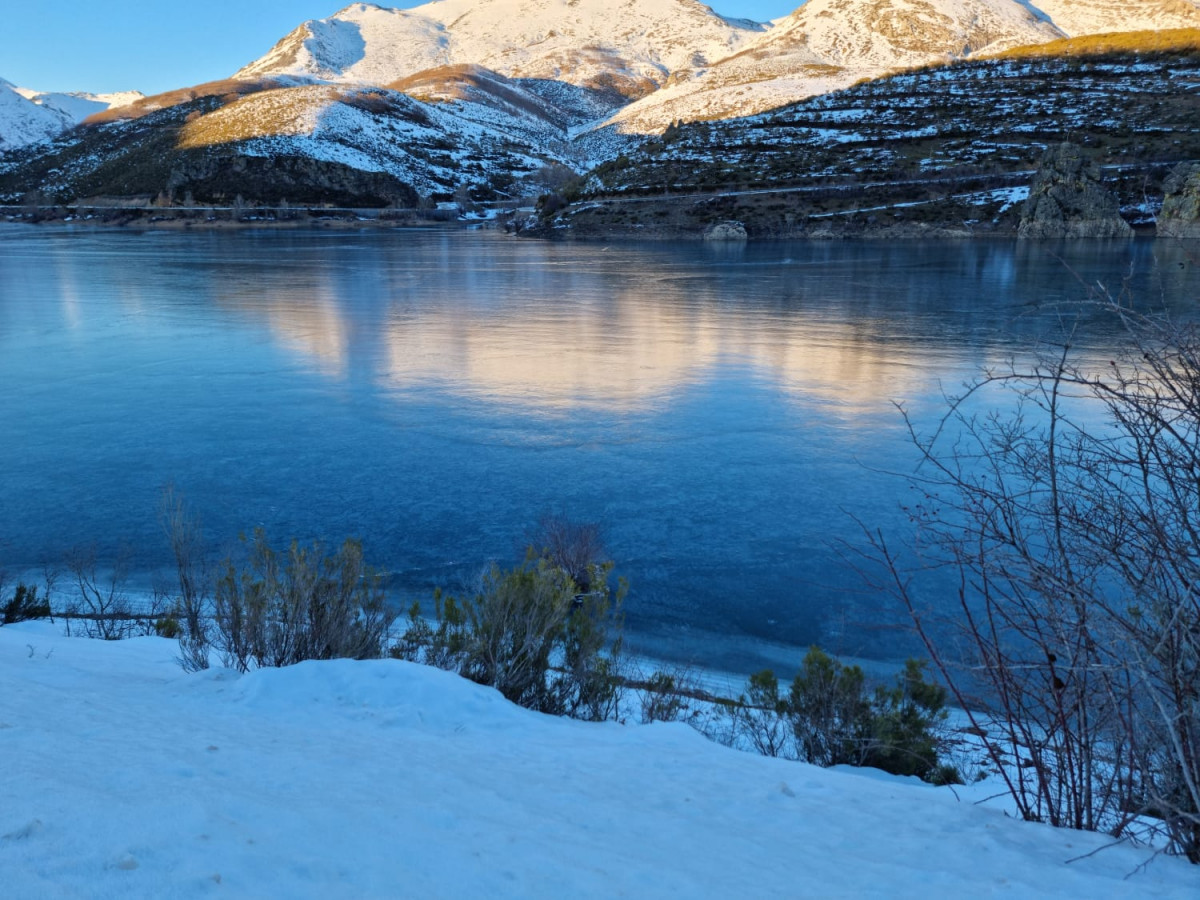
1068,200
1180,216
725,231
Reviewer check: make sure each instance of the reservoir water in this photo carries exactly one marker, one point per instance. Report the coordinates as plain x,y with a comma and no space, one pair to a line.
723,413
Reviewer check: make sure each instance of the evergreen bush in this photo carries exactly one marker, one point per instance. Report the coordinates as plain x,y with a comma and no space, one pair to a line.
283,609
829,717
530,633
24,605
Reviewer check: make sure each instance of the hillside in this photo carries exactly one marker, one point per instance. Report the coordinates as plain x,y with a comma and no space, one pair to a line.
1075,18
945,147
269,141
128,778
831,44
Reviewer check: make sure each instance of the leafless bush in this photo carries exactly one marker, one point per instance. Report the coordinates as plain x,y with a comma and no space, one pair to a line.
676,694
194,581
1073,525
760,717
575,547
101,604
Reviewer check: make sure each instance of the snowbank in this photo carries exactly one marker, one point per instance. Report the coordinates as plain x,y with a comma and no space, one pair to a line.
125,777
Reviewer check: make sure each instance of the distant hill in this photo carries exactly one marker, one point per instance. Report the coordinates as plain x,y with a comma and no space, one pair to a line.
948,148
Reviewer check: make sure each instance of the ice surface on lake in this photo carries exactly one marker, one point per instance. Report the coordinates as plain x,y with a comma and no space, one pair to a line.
721,412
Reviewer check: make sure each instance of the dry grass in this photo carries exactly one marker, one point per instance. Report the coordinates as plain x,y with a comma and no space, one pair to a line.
1173,40
286,111
466,83
228,90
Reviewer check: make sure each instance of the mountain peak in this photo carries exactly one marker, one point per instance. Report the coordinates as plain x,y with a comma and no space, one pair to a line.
613,44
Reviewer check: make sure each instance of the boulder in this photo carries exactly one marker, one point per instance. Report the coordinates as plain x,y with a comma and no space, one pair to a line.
1180,216
1068,200
726,231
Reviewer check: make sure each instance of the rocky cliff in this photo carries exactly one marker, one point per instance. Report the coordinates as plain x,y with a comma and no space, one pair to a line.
1180,216
1068,200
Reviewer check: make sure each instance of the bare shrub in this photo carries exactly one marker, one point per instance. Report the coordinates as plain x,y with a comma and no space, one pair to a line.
663,698
760,717
574,547
1073,525
194,581
101,604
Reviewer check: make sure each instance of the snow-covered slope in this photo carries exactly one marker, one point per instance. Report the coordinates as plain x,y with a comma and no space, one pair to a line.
890,34
828,44
435,148
627,46
79,105
1079,17
23,122
125,777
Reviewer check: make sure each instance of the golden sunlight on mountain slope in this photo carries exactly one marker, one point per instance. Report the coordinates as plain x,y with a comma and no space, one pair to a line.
287,111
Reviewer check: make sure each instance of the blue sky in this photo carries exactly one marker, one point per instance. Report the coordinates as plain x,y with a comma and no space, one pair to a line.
156,45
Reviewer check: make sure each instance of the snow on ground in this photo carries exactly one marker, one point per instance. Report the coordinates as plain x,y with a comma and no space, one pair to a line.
125,777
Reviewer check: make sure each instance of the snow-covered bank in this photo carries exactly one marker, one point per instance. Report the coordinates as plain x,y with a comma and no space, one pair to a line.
124,777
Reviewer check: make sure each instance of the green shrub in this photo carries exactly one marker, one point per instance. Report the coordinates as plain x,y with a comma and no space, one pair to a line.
24,605
830,712
903,722
531,634
515,623
830,717
168,627
284,609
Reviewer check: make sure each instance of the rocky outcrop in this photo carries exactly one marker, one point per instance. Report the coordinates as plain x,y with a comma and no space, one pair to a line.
298,179
725,231
1180,216
1068,200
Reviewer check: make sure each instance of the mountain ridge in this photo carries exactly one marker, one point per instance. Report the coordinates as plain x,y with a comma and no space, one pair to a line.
540,85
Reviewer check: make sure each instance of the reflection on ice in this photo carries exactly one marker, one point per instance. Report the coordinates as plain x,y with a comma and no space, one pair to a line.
436,392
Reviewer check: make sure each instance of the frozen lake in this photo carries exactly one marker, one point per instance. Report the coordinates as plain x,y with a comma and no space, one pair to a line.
720,411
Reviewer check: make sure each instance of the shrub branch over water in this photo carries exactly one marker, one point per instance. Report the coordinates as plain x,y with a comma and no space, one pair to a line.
1073,525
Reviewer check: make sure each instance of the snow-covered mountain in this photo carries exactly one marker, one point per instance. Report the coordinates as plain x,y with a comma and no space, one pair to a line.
463,93
1082,17
28,116
618,45
78,105
890,34
23,122
829,44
